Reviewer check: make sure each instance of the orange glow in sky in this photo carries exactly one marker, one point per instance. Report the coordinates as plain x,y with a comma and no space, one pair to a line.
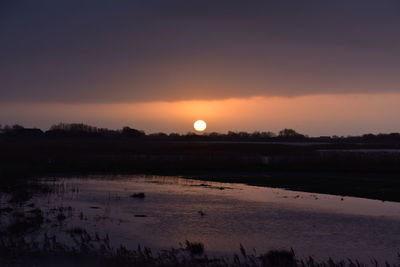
314,115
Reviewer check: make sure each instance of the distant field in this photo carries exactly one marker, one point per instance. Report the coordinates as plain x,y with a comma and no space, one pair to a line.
366,170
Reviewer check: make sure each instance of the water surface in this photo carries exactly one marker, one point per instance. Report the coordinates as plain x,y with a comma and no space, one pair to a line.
223,216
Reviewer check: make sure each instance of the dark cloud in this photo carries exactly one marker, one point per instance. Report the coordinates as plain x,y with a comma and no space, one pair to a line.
103,51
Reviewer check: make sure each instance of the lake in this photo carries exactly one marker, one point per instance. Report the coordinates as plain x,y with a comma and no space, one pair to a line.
221,216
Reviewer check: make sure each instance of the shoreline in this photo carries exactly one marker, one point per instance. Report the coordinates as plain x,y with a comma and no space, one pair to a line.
340,184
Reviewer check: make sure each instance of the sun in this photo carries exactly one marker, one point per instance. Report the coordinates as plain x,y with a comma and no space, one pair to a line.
200,125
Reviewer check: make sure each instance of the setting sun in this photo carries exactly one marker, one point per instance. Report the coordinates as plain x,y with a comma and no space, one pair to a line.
200,125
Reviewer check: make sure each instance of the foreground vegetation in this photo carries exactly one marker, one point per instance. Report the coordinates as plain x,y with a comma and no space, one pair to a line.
19,253
93,250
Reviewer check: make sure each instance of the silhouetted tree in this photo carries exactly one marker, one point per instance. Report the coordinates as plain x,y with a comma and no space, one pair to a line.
289,133
243,135
18,130
214,134
129,132
232,134
72,129
17,127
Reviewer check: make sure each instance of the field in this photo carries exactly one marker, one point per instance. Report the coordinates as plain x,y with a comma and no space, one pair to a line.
364,170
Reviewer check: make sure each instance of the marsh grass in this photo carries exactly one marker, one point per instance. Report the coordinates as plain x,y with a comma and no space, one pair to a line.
195,248
91,249
22,223
95,251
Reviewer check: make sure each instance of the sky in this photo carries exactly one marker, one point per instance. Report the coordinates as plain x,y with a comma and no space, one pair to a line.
321,67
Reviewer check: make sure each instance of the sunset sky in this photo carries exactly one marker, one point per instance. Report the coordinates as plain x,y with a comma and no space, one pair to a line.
321,67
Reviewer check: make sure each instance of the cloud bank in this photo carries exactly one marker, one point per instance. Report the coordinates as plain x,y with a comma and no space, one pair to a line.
135,51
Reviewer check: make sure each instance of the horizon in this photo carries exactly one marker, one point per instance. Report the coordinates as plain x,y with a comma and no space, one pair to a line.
13,127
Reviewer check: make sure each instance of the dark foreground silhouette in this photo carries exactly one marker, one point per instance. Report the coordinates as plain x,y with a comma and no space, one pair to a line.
96,251
364,166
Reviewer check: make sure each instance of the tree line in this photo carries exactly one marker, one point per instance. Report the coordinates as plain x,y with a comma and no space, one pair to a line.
84,130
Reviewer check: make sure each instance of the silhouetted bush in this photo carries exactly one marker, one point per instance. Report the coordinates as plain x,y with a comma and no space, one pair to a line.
195,248
20,131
